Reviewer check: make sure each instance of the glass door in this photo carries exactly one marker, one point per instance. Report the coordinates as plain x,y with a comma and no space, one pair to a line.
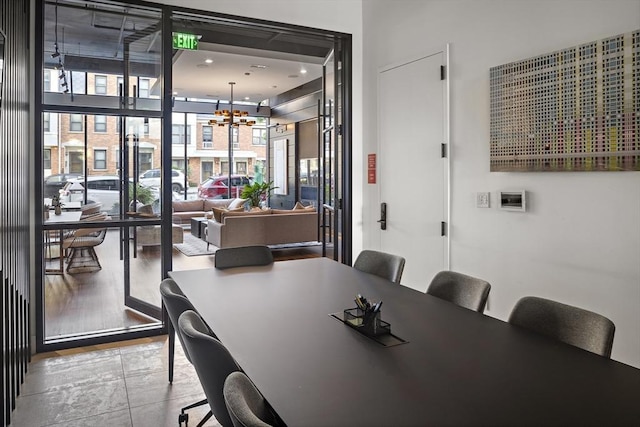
100,130
330,149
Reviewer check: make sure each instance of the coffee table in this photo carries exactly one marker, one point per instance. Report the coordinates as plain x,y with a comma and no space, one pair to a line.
198,225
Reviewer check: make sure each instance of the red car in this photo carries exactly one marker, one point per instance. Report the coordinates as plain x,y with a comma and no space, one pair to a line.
217,187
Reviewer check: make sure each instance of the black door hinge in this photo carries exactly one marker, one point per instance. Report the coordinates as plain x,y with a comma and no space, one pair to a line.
443,150
442,72
443,228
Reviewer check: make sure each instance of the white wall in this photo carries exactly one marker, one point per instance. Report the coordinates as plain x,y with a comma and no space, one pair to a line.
580,240
336,15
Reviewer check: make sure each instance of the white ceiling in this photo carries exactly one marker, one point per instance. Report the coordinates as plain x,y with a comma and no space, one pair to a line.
258,74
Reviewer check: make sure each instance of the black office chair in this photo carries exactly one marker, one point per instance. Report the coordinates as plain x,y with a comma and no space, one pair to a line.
381,264
177,303
243,256
212,361
572,325
245,404
460,289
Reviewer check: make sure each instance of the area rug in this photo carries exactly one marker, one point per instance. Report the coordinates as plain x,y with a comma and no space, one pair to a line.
194,246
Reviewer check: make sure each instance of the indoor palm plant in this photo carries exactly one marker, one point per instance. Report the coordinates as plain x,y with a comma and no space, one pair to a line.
257,192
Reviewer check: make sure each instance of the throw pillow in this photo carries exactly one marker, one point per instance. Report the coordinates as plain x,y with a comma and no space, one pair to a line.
146,210
218,213
237,203
300,206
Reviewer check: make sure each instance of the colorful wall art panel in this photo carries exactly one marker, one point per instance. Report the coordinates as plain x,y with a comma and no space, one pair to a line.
577,109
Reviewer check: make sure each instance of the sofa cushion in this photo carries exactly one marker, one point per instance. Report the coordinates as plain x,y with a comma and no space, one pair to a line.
292,211
215,203
188,205
243,213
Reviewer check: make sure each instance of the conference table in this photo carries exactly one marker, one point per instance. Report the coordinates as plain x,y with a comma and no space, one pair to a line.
458,367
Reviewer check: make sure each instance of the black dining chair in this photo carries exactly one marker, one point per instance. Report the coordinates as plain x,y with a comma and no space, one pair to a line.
571,325
176,303
381,264
243,256
212,361
246,406
460,289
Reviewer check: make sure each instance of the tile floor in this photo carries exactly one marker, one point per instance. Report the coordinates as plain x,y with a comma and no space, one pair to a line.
125,386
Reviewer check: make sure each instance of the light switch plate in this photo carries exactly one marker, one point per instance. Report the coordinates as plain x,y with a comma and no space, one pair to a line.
482,200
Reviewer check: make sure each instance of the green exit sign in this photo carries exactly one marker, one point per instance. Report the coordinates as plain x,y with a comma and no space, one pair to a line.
185,41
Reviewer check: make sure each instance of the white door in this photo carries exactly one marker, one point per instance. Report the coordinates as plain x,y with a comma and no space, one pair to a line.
412,121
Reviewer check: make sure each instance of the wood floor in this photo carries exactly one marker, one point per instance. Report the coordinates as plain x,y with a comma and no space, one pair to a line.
88,302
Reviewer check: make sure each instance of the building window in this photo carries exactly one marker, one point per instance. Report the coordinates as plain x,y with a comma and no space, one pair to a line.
46,158
47,80
259,136
177,164
78,82
100,124
146,126
101,85
119,123
145,160
241,168
207,169
234,137
117,156
100,159
46,122
143,88
75,123
207,137
177,134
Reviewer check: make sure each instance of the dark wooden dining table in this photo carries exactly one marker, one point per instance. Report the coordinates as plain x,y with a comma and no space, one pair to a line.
458,367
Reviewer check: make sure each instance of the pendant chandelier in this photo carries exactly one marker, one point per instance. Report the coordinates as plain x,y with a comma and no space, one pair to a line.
232,117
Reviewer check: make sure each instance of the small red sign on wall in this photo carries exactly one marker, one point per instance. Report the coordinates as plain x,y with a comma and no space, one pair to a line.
371,168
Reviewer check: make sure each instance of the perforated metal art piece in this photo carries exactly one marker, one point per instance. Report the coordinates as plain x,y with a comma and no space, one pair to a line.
577,109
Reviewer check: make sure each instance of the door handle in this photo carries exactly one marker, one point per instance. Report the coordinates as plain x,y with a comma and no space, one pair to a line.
383,216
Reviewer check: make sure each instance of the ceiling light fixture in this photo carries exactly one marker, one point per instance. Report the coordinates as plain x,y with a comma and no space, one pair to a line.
208,60
303,71
227,117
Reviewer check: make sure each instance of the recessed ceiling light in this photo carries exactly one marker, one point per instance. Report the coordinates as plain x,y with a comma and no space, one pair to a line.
208,60
274,87
202,66
175,93
303,71
246,98
260,66
293,76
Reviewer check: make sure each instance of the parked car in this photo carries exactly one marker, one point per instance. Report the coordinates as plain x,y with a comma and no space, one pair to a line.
152,177
54,183
103,189
217,187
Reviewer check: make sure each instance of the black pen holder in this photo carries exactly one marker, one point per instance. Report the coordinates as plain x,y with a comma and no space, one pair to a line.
367,322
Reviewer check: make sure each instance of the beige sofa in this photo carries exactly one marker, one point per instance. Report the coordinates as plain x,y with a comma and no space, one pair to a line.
272,228
184,210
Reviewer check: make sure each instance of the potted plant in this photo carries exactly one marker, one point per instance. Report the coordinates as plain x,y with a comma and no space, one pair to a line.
257,192
57,204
